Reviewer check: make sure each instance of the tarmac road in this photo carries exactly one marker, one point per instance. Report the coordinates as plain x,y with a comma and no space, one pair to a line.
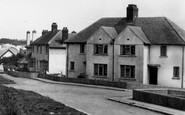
89,100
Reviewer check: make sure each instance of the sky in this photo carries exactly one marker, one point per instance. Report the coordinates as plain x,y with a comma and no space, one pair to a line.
19,16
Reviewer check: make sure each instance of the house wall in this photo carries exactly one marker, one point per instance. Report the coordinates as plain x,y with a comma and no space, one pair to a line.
127,37
91,59
57,61
39,56
165,71
77,58
99,37
136,61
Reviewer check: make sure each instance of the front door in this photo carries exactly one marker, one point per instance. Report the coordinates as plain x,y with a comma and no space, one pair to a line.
153,71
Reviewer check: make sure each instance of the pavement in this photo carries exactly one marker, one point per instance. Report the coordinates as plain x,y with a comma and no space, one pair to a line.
148,106
125,100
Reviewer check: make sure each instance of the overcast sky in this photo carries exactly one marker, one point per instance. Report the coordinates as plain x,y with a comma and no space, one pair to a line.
19,16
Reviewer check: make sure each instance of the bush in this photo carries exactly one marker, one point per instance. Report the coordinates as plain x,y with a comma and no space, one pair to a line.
82,75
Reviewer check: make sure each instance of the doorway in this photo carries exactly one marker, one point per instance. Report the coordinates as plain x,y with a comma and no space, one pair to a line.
153,72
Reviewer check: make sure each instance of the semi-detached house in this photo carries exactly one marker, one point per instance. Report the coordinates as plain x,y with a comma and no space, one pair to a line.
49,51
148,50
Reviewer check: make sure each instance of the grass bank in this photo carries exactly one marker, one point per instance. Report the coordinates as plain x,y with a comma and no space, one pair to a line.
21,102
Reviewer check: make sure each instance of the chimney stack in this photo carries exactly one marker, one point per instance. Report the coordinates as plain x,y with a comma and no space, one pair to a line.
33,35
28,38
44,31
64,34
132,12
54,26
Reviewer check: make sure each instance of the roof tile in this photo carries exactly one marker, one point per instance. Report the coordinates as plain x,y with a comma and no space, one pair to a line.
159,30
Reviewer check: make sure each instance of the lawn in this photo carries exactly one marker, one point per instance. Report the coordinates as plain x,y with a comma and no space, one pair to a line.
21,102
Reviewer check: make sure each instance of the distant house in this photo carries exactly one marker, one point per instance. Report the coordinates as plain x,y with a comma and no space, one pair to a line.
49,51
148,50
8,52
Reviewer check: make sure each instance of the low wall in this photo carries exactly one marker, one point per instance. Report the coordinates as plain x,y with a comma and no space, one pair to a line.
162,99
120,84
87,81
22,74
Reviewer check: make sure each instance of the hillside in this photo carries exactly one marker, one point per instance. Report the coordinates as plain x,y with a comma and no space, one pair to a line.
12,41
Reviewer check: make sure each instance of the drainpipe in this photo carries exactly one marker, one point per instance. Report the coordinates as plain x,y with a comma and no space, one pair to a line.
182,83
113,40
67,61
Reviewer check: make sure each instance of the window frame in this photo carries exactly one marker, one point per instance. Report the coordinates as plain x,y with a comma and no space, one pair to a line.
127,50
124,69
72,66
163,51
47,50
101,49
176,72
82,48
100,69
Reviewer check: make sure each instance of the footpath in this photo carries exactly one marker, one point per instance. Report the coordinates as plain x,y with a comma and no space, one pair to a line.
124,100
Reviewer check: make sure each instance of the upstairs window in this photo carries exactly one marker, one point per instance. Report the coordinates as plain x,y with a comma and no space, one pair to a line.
176,72
101,49
127,50
37,49
100,69
127,71
82,48
163,50
47,49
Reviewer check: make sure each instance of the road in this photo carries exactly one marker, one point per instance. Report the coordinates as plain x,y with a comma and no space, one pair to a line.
90,100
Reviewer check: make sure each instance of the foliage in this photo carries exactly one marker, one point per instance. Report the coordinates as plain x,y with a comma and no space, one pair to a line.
11,61
12,41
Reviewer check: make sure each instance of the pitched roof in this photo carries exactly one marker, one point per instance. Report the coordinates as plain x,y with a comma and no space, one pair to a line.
56,42
51,38
44,39
111,31
13,50
159,30
138,31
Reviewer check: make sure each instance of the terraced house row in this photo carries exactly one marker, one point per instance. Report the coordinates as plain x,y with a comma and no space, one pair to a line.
148,50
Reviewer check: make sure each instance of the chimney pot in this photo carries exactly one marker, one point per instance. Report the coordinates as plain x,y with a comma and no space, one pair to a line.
73,32
44,31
